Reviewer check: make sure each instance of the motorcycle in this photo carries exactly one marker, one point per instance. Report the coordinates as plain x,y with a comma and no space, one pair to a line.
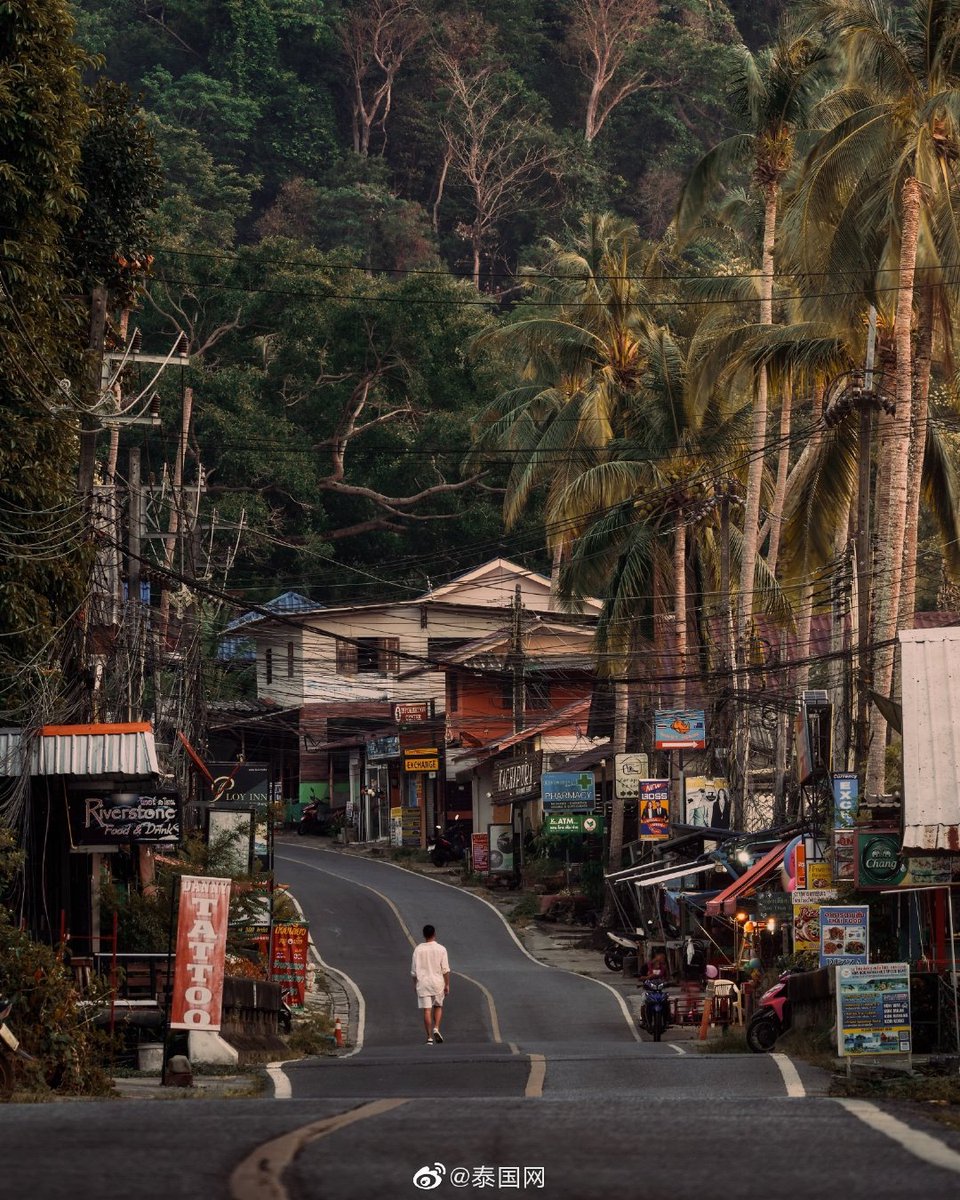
9,1051
623,944
772,1018
447,845
655,1014
315,818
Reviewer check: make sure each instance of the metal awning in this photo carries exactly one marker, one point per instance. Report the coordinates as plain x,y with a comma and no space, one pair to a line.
121,751
763,868
678,873
644,876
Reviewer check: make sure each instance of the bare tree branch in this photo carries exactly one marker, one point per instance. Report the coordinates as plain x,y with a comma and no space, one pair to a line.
376,37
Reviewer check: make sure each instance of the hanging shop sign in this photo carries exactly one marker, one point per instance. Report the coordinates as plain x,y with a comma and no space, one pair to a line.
480,853
245,784
564,791
413,712
197,997
516,778
846,799
844,934
562,822
654,801
410,825
880,864
502,842
843,854
396,826
706,801
288,961
123,818
873,1009
679,729
422,760
628,770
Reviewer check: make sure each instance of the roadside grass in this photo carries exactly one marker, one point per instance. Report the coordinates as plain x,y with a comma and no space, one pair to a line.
312,1033
934,1088
526,908
732,1041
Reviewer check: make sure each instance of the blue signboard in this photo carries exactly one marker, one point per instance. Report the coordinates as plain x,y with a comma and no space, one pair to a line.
679,729
846,799
568,791
844,934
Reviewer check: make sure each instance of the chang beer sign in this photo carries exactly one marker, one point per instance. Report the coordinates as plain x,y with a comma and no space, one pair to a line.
879,861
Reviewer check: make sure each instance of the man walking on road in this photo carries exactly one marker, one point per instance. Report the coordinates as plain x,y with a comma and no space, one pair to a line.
431,978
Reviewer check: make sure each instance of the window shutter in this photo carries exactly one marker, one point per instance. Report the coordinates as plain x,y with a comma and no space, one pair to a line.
390,655
346,658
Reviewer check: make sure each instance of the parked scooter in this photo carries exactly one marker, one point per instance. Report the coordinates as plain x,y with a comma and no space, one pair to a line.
623,944
9,1050
448,845
772,1018
315,818
655,1014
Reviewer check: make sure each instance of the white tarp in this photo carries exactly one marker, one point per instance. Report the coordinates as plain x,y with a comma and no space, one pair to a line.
931,738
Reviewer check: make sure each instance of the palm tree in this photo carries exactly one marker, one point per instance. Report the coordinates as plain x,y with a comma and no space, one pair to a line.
771,94
887,166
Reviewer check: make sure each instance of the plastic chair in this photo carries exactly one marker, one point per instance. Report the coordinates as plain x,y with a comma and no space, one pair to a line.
727,998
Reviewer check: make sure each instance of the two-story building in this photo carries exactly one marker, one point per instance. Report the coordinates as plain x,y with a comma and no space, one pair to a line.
342,671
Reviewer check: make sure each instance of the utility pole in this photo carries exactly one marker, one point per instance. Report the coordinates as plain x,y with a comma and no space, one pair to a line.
135,624
174,522
90,420
515,661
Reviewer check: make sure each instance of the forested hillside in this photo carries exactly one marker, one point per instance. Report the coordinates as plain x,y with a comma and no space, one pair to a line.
349,190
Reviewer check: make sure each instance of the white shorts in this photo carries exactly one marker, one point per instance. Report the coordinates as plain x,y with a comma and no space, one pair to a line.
430,1001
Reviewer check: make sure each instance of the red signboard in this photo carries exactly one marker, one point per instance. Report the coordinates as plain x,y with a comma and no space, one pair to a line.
480,852
288,961
413,712
201,947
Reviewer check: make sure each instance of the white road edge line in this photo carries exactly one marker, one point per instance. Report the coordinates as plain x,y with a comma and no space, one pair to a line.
281,1084
791,1077
914,1141
631,1024
674,1046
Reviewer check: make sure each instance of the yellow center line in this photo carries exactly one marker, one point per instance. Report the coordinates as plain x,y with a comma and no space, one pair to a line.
260,1175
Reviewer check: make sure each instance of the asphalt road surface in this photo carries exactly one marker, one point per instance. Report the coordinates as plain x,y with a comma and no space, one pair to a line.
542,1088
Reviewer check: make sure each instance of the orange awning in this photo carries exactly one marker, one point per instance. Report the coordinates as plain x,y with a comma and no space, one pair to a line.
726,901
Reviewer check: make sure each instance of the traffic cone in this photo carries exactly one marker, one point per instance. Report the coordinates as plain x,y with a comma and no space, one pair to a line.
338,1032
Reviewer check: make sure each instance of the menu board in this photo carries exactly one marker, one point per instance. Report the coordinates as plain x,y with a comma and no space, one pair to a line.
807,903
873,1009
480,852
844,934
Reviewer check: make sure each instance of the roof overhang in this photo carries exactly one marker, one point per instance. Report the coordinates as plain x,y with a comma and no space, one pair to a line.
120,751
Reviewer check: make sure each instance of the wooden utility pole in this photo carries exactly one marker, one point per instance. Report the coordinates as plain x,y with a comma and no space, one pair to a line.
173,525
90,421
135,624
864,655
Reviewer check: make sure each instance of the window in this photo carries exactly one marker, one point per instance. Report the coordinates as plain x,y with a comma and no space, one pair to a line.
268,664
289,660
368,656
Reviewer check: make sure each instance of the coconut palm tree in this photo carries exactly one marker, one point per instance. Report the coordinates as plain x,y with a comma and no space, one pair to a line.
771,94
887,167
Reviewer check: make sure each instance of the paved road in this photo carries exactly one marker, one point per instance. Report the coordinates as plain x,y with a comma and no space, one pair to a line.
541,1089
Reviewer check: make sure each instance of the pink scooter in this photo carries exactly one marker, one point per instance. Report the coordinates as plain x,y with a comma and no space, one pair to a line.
772,1018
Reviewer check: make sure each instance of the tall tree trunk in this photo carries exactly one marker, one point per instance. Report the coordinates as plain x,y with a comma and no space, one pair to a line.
891,545
590,124
751,522
680,610
783,471
918,445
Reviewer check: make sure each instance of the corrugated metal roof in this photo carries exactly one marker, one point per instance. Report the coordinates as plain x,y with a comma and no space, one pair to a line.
126,751
931,738
286,603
